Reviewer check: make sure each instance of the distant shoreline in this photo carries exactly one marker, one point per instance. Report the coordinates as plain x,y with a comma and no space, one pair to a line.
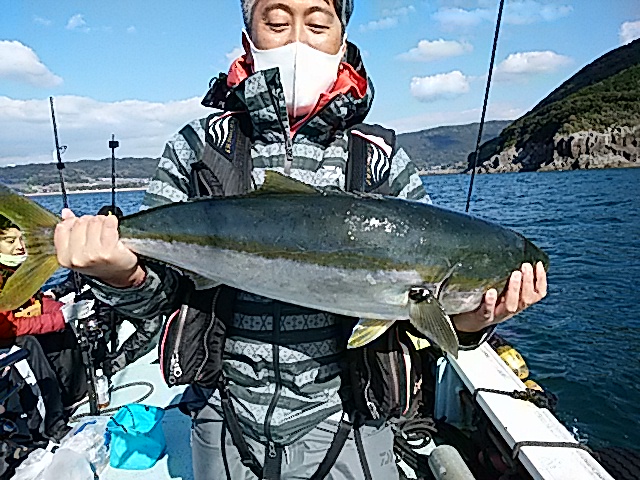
97,190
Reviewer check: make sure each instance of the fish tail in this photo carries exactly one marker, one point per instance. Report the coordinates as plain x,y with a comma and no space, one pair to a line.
37,225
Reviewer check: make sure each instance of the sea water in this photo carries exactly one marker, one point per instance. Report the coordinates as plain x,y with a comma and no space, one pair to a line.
582,342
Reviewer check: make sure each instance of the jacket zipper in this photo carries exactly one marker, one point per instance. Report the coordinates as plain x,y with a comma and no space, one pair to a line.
286,131
207,333
175,371
367,390
271,446
395,384
406,361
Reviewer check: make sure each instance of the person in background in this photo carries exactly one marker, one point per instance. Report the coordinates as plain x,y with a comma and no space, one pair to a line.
296,92
138,344
51,322
30,327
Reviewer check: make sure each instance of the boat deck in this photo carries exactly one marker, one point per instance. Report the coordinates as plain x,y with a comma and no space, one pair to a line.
516,420
176,463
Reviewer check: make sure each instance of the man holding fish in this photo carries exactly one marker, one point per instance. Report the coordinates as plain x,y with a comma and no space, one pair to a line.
299,258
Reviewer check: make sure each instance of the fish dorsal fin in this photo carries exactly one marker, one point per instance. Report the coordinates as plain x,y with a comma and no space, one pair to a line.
275,182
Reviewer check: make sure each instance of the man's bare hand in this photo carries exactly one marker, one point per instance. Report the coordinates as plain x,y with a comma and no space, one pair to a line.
525,288
91,245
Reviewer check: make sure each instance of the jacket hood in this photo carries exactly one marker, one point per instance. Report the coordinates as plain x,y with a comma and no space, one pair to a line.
261,96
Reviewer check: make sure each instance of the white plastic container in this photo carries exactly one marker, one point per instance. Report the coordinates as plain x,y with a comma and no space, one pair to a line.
102,389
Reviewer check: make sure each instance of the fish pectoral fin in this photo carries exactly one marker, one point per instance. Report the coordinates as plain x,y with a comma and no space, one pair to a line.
430,319
367,330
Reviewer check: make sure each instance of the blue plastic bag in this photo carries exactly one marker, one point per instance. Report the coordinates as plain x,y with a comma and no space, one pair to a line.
136,437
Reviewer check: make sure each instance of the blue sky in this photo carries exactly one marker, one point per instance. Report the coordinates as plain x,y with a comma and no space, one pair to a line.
139,68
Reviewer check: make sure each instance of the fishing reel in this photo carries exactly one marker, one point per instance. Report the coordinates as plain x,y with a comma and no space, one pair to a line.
91,327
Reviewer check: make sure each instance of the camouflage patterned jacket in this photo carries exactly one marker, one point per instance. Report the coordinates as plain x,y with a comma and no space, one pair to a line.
282,385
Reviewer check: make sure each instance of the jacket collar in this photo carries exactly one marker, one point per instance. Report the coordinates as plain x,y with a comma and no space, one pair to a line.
261,96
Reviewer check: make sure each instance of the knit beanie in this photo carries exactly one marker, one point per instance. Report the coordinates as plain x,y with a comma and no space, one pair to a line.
344,8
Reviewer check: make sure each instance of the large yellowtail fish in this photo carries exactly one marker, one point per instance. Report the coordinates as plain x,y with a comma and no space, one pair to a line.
380,259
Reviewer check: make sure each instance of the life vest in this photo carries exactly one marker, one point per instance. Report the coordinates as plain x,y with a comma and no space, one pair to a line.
383,381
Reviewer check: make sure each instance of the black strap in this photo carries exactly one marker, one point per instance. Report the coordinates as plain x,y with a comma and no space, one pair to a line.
355,180
362,455
360,175
337,443
223,447
247,457
273,453
272,462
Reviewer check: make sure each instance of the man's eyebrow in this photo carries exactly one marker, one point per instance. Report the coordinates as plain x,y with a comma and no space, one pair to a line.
278,6
326,11
287,8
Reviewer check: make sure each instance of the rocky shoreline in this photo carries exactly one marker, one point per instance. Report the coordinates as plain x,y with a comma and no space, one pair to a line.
617,147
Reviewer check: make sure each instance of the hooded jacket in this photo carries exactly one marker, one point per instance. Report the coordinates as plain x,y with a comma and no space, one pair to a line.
282,362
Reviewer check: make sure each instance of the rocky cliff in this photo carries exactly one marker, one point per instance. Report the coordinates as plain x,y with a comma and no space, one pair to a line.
590,121
617,147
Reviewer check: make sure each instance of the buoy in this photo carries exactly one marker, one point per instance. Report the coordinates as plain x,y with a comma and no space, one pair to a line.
533,385
514,361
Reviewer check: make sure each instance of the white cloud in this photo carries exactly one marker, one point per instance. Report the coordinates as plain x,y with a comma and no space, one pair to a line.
530,11
443,85
85,125
398,12
521,12
21,64
77,22
382,24
629,31
427,51
452,18
390,19
42,21
131,29
234,54
530,63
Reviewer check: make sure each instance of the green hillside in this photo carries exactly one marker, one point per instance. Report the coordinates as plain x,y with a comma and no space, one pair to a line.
603,94
448,146
84,172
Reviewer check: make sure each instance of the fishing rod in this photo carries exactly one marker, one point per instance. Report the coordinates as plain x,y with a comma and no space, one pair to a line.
59,151
485,103
113,144
86,345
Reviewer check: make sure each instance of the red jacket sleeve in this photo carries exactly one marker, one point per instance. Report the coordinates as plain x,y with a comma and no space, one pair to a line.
51,320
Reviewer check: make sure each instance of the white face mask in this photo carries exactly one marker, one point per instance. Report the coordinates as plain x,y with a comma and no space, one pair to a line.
305,73
12,260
